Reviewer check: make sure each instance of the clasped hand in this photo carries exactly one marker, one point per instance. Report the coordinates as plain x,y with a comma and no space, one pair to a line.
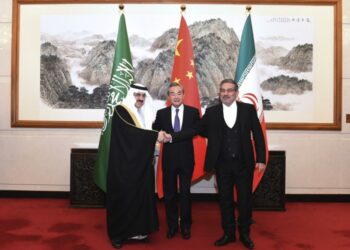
261,167
163,137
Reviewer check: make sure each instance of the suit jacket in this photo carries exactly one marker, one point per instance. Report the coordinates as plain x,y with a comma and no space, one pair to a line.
210,127
181,152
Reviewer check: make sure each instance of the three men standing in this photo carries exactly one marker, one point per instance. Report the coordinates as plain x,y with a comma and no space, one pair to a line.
229,128
177,161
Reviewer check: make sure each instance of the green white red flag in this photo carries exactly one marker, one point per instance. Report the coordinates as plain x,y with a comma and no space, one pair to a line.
249,86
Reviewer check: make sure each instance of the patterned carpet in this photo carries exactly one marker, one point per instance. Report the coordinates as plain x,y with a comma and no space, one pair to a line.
51,224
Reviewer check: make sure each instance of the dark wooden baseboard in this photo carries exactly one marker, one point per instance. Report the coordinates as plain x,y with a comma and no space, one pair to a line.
270,194
288,197
195,197
318,197
33,194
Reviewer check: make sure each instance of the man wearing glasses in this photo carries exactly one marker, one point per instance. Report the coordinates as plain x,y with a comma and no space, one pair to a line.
177,161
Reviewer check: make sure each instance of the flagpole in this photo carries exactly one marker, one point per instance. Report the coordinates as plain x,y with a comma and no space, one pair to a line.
183,8
121,8
248,8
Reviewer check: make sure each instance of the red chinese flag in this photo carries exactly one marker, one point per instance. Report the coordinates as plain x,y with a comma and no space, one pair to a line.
184,73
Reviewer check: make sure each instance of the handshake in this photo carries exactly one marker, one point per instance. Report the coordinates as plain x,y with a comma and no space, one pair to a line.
163,137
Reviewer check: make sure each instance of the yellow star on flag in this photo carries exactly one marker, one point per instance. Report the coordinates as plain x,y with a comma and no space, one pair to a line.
189,75
177,80
177,53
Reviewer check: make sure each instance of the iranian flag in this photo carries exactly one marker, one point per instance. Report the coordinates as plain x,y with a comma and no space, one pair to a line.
184,73
248,82
121,78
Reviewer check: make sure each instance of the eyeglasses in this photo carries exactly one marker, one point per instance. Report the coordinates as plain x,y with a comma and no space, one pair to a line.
231,90
176,93
140,94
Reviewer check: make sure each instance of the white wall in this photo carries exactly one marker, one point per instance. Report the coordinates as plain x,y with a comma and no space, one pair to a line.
318,162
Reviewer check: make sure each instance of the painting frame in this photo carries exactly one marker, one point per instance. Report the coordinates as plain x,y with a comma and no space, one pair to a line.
335,124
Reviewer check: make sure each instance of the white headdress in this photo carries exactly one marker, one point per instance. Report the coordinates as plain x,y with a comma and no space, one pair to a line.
147,108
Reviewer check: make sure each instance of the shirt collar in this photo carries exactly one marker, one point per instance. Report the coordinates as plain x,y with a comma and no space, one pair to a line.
181,107
233,106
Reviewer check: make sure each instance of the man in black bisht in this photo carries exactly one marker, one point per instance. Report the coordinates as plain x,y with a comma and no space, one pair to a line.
131,203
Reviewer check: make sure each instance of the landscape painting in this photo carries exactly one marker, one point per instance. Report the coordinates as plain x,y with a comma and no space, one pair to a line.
75,65
63,57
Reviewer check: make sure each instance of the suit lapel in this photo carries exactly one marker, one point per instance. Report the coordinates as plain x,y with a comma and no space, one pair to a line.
220,119
168,119
240,115
184,118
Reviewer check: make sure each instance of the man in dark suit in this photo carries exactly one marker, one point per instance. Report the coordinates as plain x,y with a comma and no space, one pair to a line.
229,128
177,161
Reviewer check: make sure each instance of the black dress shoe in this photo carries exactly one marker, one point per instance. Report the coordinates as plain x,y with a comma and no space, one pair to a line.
117,243
171,233
224,240
186,233
247,241
145,240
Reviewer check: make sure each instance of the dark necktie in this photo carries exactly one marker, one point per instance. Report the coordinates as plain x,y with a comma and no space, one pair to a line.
177,121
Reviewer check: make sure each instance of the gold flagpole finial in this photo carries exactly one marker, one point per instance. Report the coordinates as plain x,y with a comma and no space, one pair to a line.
121,8
248,8
183,8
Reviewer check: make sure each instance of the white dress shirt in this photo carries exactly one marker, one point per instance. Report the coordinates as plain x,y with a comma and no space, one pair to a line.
230,114
141,118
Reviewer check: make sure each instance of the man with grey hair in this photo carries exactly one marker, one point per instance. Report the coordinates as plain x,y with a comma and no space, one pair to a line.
130,198
177,162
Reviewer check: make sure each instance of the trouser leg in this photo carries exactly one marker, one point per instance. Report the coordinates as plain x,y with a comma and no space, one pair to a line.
185,199
170,198
225,187
244,181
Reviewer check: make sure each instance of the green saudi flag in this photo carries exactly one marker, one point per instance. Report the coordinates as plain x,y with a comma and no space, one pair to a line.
121,79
